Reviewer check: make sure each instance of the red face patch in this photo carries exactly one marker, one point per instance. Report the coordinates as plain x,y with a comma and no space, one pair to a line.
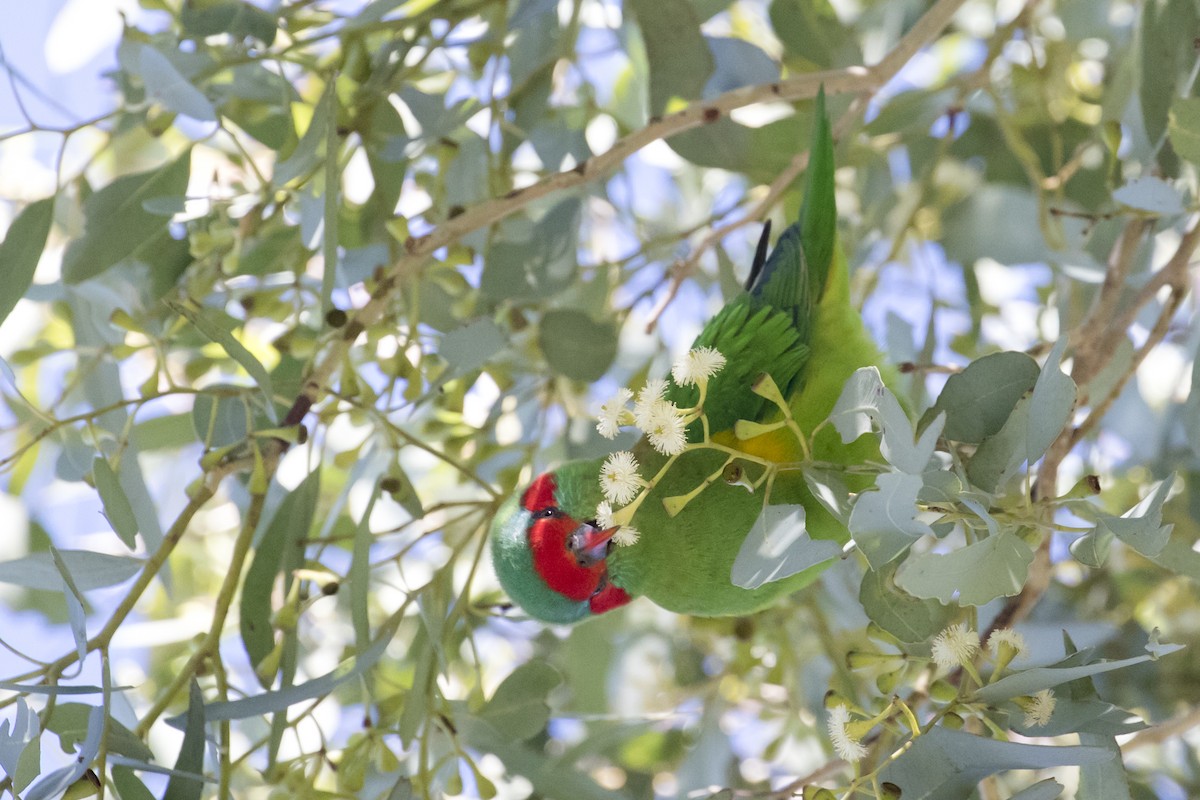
540,493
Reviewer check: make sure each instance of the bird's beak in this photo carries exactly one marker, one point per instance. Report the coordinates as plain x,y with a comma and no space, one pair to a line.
589,544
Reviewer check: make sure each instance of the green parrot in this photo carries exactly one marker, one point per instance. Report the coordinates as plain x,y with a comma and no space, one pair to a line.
795,323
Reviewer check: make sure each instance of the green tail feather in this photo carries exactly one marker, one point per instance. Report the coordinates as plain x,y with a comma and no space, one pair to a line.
793,278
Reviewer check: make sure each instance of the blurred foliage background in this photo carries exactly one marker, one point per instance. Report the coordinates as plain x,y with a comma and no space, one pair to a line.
438,234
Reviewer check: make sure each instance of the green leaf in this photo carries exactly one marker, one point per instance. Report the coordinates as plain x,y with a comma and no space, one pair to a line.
1106,780
117,509
310,150
25,688
1034,680
680,60
118,223
1051,405
884,523
978,400
208,324
550,777
129,786
239,19
518,709
1080,716
71,723
279,551
17,735
865,400
89,570
1151,194
359,576
947,764
537,262
76,616
274,702
20,251
168,86
577,346
1141,526
908,618
469,347
221,418
977,573
998,222
1185,128
778,546
811,32
1164,54
90,736
191,751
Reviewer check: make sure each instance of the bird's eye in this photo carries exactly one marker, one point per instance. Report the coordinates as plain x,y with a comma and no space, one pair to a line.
548,512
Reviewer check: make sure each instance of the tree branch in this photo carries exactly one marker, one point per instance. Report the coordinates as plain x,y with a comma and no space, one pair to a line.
801,87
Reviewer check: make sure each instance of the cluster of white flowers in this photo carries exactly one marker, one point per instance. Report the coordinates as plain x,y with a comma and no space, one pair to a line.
664,425
662,421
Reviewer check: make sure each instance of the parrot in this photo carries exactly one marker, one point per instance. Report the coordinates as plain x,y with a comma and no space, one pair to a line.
794,322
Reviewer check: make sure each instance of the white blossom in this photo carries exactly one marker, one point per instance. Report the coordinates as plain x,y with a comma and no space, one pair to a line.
619,478
604,515
626,536
665,428
649,399
697,366
609,420
847,746
955,646
1006,636
1039,710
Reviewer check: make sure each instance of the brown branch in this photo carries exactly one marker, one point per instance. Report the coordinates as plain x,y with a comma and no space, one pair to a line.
1162,732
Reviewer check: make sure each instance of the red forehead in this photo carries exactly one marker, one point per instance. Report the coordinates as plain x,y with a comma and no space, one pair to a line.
540,493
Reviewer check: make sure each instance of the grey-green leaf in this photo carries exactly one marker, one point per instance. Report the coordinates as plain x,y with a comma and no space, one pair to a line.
118,223
1051,405
1141,526
884,523
946,764
206,322
277,552
1034,680
191,752
680,60
1042,790
908,618
167,85
469,347
866,402
977,573
117,509
19,254
274,702
518,709
978,400
778,546
1150,194
89,570
577,346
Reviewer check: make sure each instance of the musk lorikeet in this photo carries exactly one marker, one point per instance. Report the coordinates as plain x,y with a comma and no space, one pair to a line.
795,323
